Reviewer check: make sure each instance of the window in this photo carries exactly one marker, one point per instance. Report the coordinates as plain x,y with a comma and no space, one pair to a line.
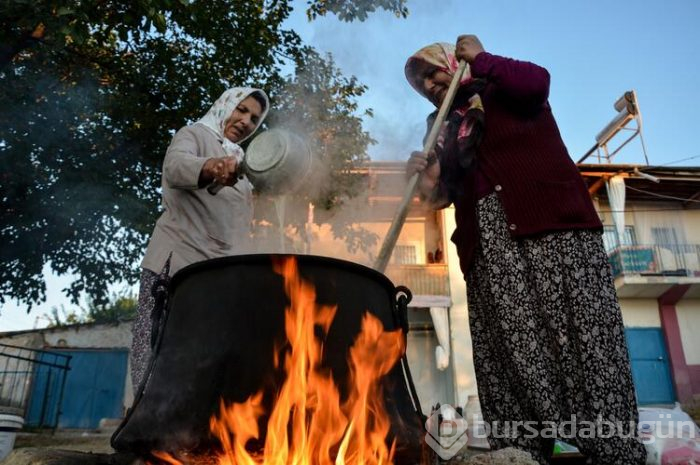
611,241
669,238
405,255
664,236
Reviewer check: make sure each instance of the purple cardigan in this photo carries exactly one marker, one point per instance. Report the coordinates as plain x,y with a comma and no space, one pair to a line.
524,158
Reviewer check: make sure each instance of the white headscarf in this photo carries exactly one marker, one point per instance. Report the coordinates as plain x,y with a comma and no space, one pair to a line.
216,117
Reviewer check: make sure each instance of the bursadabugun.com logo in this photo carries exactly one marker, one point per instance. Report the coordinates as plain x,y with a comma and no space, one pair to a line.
446,432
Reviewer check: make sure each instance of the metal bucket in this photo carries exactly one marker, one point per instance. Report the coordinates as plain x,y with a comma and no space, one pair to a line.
278,161
9,426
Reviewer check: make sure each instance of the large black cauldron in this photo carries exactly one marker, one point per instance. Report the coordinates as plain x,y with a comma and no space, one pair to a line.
224,321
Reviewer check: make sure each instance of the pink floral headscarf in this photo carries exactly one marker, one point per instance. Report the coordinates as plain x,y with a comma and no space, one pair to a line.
461,133
441,55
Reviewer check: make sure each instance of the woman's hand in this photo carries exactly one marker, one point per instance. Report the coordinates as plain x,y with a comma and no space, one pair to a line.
420,162
468,47
219,170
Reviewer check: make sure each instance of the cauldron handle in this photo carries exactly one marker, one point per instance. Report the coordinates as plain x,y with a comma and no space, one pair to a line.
403,297
160,301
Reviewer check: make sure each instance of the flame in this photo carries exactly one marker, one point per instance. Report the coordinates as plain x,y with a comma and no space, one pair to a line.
166,458
309,424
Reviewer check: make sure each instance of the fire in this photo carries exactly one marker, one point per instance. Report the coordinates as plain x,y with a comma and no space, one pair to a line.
309,424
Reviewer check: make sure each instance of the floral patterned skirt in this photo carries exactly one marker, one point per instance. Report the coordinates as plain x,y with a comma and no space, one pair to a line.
141,331
153,290
549,345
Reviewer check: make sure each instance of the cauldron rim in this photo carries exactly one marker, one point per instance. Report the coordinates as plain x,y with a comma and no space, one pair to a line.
258,258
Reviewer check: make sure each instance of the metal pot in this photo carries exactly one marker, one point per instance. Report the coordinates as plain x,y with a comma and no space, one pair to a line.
223,324
278,161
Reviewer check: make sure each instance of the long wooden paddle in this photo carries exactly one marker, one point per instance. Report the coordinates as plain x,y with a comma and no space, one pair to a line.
400,216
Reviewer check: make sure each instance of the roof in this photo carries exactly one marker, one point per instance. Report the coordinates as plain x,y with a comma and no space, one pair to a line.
680,184
675,183
77,326
387,182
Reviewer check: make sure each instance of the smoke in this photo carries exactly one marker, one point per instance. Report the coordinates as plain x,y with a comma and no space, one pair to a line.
294,224
328,213
396,141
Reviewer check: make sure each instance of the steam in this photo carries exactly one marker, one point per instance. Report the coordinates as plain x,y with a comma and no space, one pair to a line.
325,215
396,141
291,223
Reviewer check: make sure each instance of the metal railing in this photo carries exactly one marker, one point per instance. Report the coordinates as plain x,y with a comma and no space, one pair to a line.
33,378
431,279
656,260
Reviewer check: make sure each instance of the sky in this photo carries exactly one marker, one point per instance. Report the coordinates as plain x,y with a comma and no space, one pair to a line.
594,50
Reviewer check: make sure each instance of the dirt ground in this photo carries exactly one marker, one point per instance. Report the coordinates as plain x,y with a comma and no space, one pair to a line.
67,440
40,445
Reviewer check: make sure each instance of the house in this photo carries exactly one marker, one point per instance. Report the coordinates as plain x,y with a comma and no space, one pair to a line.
655,261
96,384
653,242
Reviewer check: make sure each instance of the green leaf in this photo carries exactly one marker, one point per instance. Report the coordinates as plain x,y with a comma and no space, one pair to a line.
64,11
160,22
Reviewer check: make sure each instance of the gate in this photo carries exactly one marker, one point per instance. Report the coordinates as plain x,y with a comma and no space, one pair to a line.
32,383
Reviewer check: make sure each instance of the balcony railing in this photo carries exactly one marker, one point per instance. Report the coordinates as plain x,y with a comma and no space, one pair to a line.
432,279
656,260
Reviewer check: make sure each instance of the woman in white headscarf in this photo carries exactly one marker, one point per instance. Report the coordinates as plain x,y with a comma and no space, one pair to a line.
195,224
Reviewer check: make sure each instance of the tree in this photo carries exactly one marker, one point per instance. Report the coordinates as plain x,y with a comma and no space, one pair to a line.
91,94
59,317
119,307
348,11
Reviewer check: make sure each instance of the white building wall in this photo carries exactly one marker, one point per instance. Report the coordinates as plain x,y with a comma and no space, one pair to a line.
688,312
89,336
462,357
108,336
640,313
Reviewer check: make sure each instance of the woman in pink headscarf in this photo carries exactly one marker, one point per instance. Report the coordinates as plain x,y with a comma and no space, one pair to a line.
547,331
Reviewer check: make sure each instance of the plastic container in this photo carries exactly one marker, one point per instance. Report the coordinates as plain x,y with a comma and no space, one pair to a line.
563,448
9,426
475,424
670,436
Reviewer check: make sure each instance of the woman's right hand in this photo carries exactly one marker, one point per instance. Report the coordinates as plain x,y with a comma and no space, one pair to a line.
429,166
219,170
468,47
